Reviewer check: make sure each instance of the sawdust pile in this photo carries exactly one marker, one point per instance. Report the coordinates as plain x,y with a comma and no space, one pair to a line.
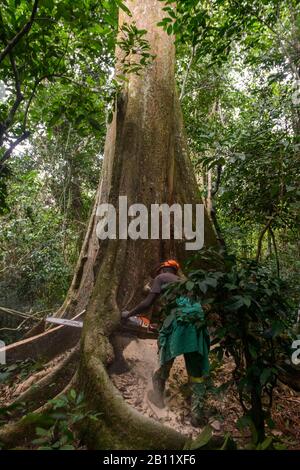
134,383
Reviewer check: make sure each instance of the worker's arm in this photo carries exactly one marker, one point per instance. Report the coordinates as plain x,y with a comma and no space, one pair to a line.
142,306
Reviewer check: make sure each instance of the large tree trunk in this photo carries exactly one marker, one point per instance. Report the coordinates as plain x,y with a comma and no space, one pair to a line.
146,160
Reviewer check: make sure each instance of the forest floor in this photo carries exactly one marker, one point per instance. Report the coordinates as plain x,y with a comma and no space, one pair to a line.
141,355
133,384
19,377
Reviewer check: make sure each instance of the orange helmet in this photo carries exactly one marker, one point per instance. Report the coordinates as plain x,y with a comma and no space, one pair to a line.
170,263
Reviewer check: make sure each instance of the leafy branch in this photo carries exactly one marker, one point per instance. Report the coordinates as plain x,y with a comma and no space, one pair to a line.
23,31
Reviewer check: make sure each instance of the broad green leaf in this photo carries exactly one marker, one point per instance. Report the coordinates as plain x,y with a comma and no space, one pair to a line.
203,439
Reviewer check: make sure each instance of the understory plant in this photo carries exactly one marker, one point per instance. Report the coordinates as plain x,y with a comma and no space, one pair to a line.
249,320
56,429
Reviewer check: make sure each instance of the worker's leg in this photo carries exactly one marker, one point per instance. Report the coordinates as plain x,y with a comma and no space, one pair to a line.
198,381
199,394
159,379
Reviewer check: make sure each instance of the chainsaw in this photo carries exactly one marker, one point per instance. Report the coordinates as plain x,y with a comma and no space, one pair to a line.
141,326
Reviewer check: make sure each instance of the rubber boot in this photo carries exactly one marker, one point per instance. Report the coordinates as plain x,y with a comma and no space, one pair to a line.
156,396
198,415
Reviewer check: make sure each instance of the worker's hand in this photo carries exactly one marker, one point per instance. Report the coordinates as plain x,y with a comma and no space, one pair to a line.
147,288
125,314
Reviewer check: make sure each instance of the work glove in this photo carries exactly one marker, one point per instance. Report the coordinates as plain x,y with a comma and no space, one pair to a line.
125,314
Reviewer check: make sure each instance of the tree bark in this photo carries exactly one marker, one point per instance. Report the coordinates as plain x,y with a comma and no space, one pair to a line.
146,160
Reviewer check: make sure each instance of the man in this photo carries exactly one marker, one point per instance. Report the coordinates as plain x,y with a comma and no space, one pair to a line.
183,332
165,274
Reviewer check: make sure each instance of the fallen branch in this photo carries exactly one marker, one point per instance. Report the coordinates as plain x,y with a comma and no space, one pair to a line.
14,329
16,313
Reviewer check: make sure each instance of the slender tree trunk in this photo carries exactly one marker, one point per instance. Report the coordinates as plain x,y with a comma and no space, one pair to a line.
209,201
269,247
256,412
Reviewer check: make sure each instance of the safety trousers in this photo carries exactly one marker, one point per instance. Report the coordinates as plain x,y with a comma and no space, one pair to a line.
198,382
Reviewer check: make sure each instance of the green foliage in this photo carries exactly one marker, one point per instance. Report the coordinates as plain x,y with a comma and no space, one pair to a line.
7,412
243,128
253,323
214,28
56,73
135,47
32,237
3,191
60,70
204,441
56,429
18,371
65,42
